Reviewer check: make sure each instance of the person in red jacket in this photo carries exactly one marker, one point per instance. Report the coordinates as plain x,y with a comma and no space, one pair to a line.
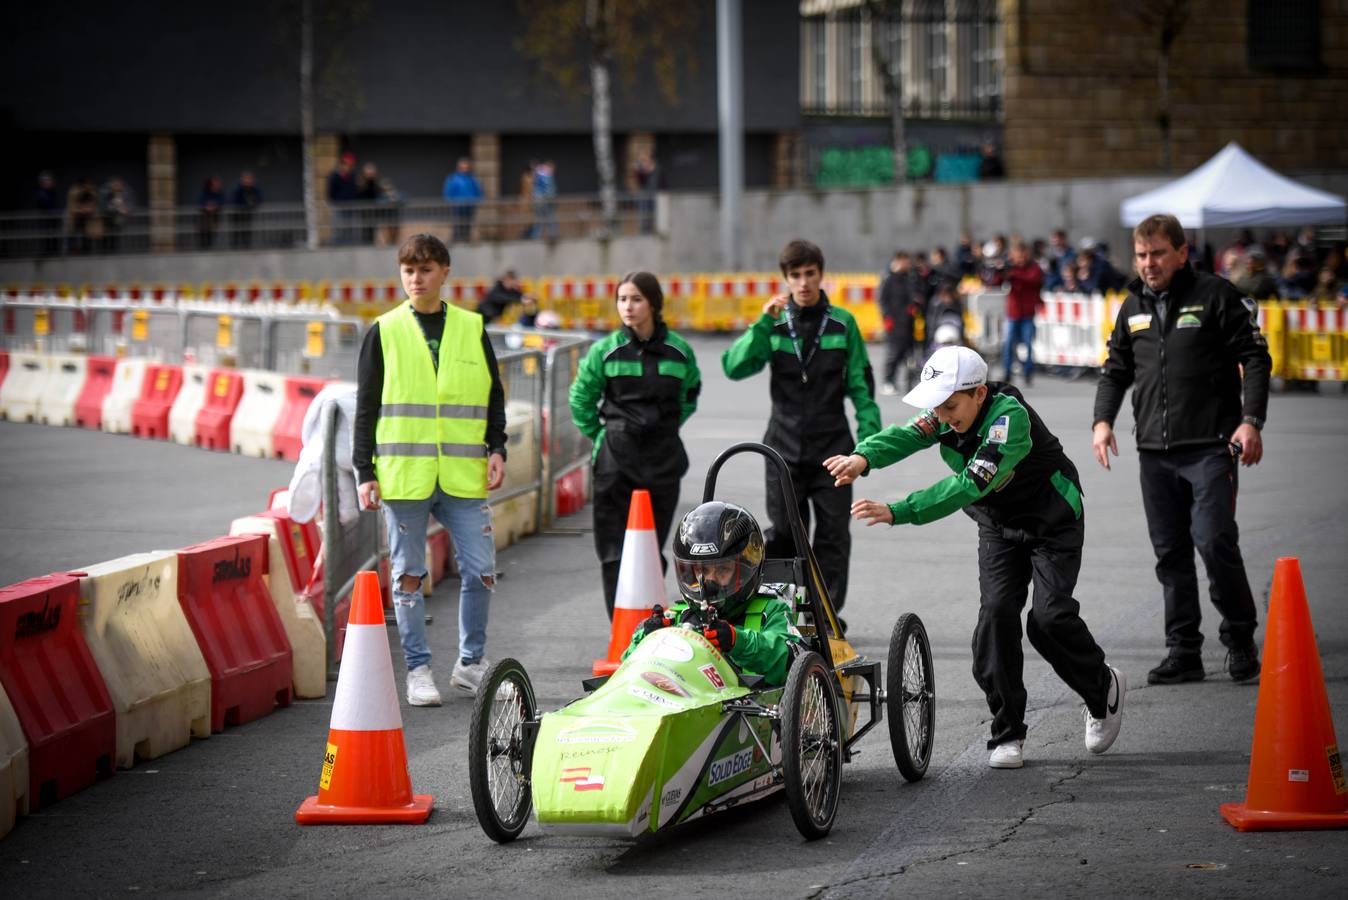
1026,280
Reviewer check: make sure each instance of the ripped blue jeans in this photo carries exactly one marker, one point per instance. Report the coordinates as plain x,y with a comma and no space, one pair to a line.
468,521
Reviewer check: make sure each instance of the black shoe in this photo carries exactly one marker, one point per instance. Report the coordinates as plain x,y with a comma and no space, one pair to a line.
1242,663
1175,669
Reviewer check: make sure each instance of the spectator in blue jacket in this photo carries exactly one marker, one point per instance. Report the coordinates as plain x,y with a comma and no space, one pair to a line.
463,193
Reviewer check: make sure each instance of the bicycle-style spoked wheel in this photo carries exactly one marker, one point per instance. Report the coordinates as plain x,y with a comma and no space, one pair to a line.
496,751
812,744
910,685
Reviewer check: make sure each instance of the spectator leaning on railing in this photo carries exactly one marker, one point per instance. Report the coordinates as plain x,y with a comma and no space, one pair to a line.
462,192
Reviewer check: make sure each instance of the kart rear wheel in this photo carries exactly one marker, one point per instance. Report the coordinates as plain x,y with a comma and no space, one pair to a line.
812,743
500,786
910,685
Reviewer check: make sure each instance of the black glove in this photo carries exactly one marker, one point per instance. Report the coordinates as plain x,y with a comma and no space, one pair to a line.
656,621
721,634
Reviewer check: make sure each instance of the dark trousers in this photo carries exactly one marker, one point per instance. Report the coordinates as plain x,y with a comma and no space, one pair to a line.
1008,561
832,541
1190,500
612,499
899,347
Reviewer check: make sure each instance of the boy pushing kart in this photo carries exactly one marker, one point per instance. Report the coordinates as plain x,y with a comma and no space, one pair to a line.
1012,477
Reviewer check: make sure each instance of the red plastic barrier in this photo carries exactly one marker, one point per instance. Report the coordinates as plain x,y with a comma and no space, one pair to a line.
150,412
440,556
97,383
56,689
223,390
286,438
569,493
237,627
4,365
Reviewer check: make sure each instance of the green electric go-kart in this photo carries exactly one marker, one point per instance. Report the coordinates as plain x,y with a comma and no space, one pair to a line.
677,732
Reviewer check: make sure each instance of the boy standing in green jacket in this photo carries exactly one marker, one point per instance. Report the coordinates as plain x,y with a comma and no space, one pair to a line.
1012,478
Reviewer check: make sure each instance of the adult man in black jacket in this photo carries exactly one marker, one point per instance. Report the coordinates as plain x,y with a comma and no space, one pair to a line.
1181,341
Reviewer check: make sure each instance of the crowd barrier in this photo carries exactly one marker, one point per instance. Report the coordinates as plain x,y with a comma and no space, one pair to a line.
252,428
23,386
56,688
127,379
237,627
216,417
297,394
288,572
65,380
13,766
154,670
182,417
150,412
98,375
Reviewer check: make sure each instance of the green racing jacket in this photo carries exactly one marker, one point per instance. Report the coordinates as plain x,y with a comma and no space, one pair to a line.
762,638
1009,469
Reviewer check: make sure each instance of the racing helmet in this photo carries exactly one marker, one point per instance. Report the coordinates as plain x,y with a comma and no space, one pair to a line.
718,556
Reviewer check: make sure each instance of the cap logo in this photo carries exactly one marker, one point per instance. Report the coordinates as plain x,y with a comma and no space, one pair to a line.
929,373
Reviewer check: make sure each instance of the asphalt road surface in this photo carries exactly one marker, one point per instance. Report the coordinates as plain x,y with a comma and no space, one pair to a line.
216,819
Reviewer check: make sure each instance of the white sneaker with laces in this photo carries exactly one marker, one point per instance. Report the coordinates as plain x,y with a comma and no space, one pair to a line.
1100,733
1007,755
469,677
421,690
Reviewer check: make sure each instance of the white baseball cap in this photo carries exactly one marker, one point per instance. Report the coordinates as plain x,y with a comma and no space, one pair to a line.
948,370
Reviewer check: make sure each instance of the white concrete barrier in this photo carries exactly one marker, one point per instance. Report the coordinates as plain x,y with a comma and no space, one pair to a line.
23,385
65,380
147,654
13,766
183,414
250,431
126,383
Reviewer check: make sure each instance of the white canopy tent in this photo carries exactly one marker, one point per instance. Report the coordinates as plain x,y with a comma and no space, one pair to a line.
1233,189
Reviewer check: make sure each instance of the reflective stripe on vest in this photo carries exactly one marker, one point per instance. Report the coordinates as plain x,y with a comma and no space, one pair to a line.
420,444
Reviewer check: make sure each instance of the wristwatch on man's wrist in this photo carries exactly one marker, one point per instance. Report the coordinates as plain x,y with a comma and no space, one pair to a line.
1257,422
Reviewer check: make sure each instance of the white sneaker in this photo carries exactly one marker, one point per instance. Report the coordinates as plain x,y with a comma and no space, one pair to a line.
421,689
469,677
1007,755
1100,733
888,389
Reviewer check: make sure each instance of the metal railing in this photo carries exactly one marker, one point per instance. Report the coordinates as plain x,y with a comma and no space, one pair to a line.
277,226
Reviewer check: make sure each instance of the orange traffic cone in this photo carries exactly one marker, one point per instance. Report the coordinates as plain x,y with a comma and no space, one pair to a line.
365,778
641,581
1296,776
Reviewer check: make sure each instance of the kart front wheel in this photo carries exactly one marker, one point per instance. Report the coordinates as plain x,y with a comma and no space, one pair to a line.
812,743
910,685
496,751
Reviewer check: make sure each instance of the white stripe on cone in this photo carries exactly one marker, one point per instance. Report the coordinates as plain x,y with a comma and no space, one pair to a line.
367,698
641,583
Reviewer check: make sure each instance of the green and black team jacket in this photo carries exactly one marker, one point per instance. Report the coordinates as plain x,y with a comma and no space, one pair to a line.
1010,471
647,388
763,637
809,421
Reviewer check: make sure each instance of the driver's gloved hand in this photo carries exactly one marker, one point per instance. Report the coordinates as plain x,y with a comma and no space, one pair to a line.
655,622
721,634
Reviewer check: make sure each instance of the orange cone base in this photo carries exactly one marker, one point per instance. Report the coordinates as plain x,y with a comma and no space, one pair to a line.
605,667
311,812
1246,819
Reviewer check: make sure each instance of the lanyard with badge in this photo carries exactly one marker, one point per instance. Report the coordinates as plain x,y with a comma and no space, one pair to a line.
795,343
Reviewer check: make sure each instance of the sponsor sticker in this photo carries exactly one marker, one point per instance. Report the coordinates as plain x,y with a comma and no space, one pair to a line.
1139,322
1336,769
672,797
672,646
982,470
926,423
998,429
713,676
1188,321
665,683
597,733
650,696
703,549
728,767
1298,774
582,779
329,760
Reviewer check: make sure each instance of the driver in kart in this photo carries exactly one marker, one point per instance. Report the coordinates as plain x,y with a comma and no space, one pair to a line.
718,557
